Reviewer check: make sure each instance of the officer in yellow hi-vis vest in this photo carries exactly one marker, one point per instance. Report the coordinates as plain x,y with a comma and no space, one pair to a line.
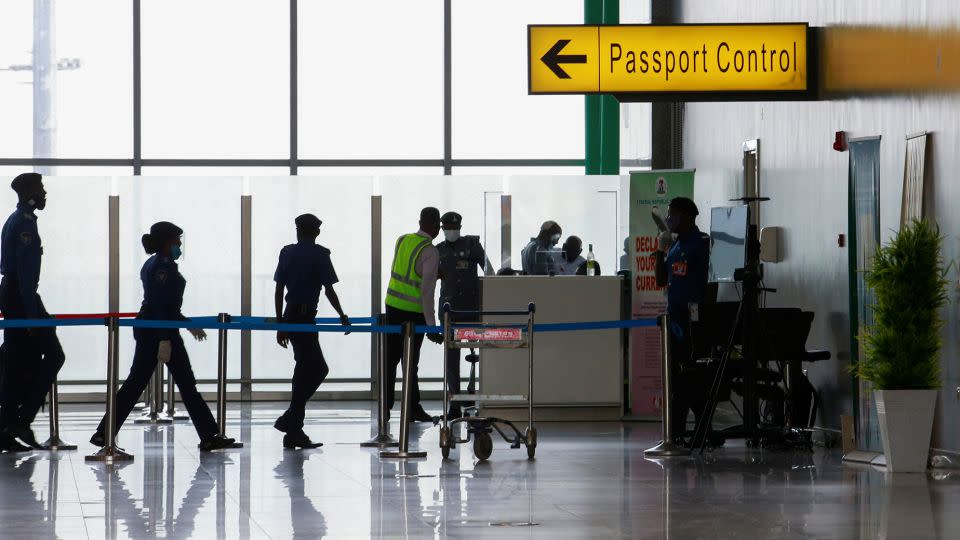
410,298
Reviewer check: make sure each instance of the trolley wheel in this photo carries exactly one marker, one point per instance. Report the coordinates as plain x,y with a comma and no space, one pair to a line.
531,436
482,445
446,441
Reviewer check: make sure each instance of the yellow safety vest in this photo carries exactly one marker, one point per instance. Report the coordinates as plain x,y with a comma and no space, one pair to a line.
403,292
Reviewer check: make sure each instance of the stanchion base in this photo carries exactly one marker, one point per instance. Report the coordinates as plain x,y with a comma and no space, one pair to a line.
109,455
152,421
380,441
667,449
54,444
175,417
399,454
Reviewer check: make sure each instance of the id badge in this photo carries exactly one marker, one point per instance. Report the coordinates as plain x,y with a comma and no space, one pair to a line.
694,309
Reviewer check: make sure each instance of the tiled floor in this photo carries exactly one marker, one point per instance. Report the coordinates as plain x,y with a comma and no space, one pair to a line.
588,481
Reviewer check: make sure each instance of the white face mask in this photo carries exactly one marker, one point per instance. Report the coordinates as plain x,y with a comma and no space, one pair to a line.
451,235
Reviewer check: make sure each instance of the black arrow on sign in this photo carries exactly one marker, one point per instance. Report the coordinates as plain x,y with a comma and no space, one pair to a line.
553,59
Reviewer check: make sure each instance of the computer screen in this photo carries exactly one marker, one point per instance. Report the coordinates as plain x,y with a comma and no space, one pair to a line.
728,241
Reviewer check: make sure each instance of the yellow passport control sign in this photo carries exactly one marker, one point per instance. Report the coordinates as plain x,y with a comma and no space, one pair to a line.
663,59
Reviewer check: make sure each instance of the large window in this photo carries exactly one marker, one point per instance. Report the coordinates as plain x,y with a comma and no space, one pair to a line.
218,99
303,87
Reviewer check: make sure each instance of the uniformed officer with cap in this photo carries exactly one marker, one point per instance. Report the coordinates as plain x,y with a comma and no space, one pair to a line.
304,269
31,358
460,259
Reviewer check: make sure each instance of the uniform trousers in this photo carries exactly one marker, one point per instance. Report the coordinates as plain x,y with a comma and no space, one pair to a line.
29,361
395,355
310,369
145,363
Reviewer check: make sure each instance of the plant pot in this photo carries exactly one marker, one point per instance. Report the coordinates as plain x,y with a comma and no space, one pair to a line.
906,422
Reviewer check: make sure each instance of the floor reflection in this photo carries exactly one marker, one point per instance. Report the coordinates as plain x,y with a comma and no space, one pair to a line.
588,481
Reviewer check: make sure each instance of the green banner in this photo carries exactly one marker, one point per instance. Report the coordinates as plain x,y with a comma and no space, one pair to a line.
650,195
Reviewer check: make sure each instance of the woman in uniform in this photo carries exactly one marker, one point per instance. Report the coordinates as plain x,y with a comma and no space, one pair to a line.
163,287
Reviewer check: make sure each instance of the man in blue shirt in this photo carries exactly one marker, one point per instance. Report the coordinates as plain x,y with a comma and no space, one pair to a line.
31,357
304,269
682,266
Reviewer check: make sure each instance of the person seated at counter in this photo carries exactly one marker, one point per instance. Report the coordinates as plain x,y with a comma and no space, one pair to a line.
570,259
540,257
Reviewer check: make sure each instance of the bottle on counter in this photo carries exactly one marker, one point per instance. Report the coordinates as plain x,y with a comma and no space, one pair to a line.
591,262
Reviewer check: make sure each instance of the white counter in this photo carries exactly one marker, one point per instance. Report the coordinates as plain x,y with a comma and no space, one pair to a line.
577,375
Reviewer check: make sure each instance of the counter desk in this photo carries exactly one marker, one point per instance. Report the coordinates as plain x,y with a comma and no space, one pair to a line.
578,375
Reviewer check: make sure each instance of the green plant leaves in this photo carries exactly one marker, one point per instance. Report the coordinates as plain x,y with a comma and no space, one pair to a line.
902,347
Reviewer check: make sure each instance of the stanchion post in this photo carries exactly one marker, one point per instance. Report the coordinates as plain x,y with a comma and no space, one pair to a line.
222,319
155,399
666,448
170,411
110,453
54,442
383,438
404,450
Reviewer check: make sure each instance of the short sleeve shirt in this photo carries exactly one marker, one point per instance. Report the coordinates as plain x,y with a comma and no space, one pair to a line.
687,265
304,269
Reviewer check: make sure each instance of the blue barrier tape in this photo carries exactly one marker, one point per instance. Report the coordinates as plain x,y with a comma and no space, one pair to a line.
49,323
211,323
319,320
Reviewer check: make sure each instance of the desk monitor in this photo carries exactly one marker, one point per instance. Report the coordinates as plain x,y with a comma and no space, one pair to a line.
728,241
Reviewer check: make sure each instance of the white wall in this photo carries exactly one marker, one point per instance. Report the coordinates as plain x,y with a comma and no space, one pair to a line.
807,180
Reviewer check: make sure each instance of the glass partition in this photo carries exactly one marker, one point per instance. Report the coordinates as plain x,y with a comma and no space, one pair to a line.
343,204
584,206
208,210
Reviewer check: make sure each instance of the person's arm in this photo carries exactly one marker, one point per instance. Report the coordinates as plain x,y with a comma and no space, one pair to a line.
278,301
28,270
660,268
430,261
335,302
278,276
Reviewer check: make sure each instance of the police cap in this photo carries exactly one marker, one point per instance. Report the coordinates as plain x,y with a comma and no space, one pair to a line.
451,218
308,223
26,181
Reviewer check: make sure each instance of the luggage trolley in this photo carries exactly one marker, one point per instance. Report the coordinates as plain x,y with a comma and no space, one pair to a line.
483,335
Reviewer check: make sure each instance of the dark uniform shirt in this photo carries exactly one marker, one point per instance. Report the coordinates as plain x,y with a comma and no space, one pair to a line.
163,287
304,269
687,264
20,254
459,280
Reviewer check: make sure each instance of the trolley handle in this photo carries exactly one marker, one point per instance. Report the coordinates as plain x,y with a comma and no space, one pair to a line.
531,308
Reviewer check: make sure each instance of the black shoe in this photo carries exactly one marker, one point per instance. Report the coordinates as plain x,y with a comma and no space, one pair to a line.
217,442
292,441
8,443
421,416
25,434
281,424
99,440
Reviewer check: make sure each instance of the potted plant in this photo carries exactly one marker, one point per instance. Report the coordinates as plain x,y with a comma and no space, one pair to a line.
902,346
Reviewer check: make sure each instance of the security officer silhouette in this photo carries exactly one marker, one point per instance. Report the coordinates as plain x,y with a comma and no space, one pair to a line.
31,357
460,259
304,269
163,288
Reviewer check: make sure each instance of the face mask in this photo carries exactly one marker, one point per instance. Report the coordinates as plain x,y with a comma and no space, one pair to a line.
175,252
451,235
554,240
